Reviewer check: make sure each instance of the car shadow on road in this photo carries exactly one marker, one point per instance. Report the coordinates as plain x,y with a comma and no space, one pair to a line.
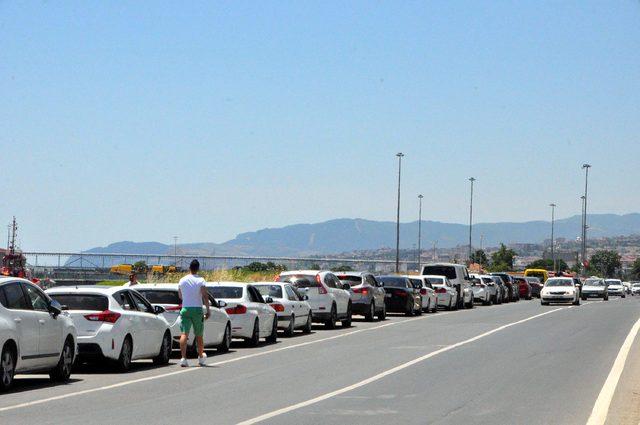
22,384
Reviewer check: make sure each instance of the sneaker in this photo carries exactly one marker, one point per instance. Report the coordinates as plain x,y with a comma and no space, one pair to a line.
183,362
202,360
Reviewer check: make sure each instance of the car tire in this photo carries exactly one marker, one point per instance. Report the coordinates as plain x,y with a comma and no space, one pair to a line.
583,298
254,341
470,303
308,325
7,367
410,310
124,360
333,318
449,307
624,296
226,340
289,331
427,308
420,309
346,323
273,336
369,317
544,303
383,313
62,371
165,350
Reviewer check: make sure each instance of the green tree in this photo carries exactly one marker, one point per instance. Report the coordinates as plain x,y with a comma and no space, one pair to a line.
256,266
635,269
314,266
503,258
140,266
344,268
605,262
547,264
479,257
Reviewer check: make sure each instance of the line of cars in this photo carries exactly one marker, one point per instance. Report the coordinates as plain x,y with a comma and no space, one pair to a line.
49,331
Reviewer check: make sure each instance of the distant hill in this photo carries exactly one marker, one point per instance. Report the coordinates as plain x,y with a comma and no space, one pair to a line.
345,235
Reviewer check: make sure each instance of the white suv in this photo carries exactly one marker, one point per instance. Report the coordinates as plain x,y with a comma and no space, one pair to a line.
329,298
35,335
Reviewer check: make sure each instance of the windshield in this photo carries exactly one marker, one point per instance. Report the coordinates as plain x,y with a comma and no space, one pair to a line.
613,282
559,282
228,292
435,281
447,271
594,282
160,297
82,302
393,282
274,291
351,280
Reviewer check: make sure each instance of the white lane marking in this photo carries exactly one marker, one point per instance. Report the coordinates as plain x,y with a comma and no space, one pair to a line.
389,371
601,406
191,369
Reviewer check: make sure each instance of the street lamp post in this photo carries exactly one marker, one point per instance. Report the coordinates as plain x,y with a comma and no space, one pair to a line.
553,252
419,230
175,251
399,155
471,179
584,223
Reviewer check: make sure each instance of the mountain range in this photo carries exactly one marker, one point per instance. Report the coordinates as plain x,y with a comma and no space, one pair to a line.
346,235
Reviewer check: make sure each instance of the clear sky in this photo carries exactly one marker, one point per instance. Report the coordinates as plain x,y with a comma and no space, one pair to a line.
143,120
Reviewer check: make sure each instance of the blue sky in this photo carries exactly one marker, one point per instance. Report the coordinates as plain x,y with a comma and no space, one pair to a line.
143,120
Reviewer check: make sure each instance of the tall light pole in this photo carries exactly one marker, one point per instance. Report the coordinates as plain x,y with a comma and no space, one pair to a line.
584,224
419,230
399,155
553,218
471,179
175,251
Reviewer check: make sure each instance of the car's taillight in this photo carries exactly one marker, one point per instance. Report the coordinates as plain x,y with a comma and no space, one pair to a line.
441,290
423,291
277,307
103,316
401,293
174,308
239,309
363,291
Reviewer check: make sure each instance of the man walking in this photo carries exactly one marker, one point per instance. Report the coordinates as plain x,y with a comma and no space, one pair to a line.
133,280
193,294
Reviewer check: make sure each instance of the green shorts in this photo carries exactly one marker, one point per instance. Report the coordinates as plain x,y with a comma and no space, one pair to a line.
192,316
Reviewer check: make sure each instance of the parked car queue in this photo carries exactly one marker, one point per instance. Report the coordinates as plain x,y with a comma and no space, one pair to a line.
49,332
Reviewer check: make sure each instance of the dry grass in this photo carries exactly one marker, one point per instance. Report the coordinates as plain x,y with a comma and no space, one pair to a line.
218,276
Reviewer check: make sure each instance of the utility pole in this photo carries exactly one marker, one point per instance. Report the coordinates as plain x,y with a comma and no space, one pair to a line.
399,155
471,179
585,167
435,254
175,251
420,231
553,253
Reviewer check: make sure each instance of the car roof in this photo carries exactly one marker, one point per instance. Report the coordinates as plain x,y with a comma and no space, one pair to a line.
270,283
444,264
311,272
156,286
234,284
436,276
6,279
85,289
351,273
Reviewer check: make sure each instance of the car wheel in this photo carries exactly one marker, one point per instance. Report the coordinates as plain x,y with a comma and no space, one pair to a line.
455,305
165,350
470,303
62,371
255,335
124,360
307,326
428,307
449,307
7,367
273,337
583,298
411,310
624,296
383,313
226,340
371,313
544,303
289,331
333,318
420,309
346,323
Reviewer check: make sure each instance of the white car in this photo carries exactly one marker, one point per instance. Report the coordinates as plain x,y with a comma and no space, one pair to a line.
115,323
615,287
594,287
329,298
560,290
427,293
635,288
446,293
217,328
458,276
251,315
36,336
291,307
484,289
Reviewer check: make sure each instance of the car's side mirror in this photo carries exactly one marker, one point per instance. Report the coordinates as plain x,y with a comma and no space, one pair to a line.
55,308
346,286
158,309
222,304
268,300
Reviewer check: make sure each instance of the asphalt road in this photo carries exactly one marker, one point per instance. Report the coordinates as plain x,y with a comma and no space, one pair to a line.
518,363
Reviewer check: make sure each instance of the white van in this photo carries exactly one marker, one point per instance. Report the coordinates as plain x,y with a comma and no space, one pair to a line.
458,275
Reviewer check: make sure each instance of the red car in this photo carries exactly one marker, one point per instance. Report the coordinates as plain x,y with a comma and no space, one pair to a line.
523,287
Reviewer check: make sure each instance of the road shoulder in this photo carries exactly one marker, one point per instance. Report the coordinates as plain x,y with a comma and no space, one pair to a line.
625,406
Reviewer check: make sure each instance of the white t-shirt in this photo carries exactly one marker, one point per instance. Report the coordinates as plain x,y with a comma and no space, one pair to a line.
190,288
130,284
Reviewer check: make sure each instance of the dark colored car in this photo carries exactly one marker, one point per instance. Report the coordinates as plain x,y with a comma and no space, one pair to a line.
535,284
513,293
400,295
524,289
367,294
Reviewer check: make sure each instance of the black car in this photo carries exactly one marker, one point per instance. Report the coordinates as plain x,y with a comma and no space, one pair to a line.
513,292
400,295
536,285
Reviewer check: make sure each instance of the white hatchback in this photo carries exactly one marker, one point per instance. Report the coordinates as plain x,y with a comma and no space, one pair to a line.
251,315
446,293
115,323
293,311
427,293
217,328
36,336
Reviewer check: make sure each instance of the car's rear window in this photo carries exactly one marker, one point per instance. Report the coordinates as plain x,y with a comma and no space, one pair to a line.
225,291
351,280
160,296
270,290
435,281
89,302
613,282
533,280
393,282
300,280
447,271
